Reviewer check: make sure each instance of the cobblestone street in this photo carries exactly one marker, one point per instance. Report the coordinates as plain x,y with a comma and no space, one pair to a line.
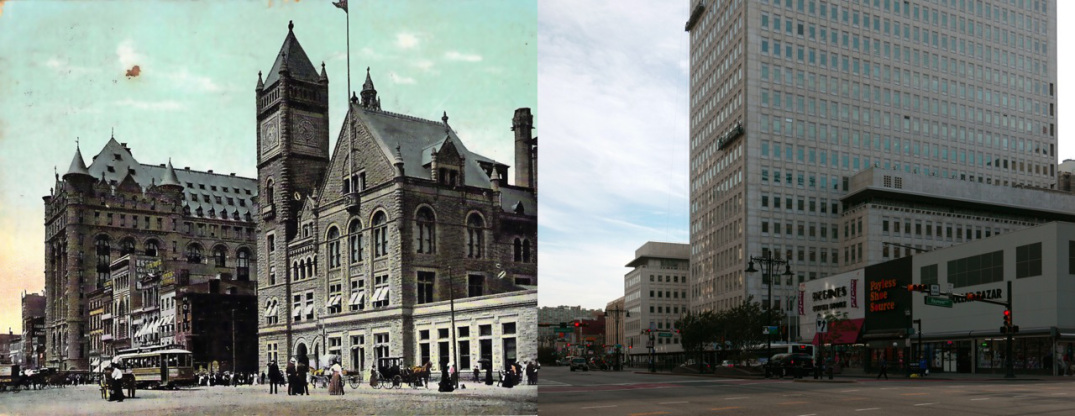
83,400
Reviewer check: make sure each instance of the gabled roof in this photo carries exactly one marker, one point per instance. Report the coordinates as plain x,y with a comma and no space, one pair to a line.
298,64
416,139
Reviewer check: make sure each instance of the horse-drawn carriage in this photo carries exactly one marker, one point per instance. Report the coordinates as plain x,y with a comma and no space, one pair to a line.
10,377
391,373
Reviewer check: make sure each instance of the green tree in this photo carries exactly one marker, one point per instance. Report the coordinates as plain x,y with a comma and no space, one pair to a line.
696,331
743,325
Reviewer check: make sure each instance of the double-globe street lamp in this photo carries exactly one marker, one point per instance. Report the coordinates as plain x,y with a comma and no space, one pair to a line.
767,263
616,330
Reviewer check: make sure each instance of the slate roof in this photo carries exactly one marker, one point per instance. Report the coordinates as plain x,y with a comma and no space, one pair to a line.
298,64
78,165
115,162
416,139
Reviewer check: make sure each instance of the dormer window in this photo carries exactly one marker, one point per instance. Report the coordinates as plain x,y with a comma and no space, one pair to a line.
449,177
117,156
111,169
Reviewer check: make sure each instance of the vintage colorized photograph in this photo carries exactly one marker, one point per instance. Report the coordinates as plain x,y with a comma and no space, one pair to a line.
268,207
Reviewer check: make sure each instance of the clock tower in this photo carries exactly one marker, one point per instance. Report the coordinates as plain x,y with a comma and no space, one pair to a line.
293,155
292,130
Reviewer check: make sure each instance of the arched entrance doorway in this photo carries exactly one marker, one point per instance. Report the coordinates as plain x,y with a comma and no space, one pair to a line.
301,355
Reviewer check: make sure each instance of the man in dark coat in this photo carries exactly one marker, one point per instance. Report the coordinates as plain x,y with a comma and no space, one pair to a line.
292,386
274,378
304,387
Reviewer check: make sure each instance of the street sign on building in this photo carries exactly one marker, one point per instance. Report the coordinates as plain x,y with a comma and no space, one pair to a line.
937,301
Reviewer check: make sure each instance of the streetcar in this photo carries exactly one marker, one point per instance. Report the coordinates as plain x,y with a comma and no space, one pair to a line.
163,368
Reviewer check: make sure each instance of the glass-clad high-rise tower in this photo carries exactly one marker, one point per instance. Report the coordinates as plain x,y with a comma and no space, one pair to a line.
793,100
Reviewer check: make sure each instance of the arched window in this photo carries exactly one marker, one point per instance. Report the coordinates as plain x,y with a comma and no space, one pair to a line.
242,264
333,247
126,246
270,192
518,250
151,248
104,254
475,236
380,234
354,235
426,225
311,267
295,270
526,251
194,253
220,256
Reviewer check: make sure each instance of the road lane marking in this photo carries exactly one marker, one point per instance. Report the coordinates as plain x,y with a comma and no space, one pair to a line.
868,408
981,398
914,394
597,407
672,402
725,408
923,404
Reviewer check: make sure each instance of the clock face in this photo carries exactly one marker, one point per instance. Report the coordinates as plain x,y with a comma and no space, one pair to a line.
297,196
306,130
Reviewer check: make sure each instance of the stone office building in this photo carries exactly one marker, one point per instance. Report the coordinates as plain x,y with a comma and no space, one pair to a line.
367,246
117,214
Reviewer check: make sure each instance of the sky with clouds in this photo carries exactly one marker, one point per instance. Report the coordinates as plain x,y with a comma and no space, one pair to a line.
613,90
176,79
612,79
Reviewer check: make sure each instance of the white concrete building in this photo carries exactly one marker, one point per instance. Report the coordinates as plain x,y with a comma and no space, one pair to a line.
655,294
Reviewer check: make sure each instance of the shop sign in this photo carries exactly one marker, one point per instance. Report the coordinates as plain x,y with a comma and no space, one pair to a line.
881,295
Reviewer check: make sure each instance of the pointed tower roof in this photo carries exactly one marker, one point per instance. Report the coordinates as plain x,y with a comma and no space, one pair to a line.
294,59
368,85
170,179
324,75
78,166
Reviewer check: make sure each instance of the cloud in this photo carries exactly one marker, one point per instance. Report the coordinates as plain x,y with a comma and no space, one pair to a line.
127,56
616,173
459,56
424,64
406,40
166,105
63,66
187,79
399,79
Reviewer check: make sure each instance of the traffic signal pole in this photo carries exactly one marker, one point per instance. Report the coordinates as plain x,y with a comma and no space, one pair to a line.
1011,359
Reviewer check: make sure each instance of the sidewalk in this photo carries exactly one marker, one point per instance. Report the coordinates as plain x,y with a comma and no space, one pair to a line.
858,374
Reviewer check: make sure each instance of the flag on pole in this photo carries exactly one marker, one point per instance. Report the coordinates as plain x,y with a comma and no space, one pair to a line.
341,4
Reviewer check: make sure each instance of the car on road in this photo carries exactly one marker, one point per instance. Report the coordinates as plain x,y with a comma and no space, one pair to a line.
782,365
579,363
727,363
693,365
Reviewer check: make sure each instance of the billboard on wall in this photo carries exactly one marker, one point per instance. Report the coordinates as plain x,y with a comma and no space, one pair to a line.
836,305
888,303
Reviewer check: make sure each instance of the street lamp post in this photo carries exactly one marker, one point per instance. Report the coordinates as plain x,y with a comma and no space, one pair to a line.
616,325
768,263
919,351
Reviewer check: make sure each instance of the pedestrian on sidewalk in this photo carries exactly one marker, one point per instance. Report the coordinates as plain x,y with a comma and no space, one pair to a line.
884,369
274,378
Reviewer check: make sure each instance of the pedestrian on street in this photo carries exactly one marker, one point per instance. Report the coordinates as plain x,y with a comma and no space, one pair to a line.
303,376
117,385
292,384
262,379
884,369
336,384
129,381
274,378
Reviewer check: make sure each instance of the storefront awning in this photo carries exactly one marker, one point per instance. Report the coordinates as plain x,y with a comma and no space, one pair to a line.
382,294
841,333
309,309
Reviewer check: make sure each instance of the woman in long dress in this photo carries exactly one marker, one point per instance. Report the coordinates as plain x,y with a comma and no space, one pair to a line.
336,384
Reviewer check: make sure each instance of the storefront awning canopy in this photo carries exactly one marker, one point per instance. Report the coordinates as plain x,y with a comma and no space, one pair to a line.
841,333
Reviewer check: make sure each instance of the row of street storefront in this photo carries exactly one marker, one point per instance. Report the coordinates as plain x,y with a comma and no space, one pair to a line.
870,314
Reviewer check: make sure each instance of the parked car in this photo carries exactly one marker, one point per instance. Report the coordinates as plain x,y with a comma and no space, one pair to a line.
579,363
782,365
693,365
727,363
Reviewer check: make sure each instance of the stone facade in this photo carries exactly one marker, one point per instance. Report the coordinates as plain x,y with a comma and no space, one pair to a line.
402,217
197,224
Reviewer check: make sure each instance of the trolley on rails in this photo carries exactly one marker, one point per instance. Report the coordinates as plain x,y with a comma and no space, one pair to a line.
169,368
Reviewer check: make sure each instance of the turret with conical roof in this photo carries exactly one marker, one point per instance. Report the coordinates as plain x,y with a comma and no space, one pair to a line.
369,93
78,166
170,180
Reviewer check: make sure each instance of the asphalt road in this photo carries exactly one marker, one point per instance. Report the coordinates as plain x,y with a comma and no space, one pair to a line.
626,393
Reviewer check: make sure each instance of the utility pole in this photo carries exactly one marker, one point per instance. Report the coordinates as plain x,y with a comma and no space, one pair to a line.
233,339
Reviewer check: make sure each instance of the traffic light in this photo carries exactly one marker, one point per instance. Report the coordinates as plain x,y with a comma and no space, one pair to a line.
917,288
576,324
1007,318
